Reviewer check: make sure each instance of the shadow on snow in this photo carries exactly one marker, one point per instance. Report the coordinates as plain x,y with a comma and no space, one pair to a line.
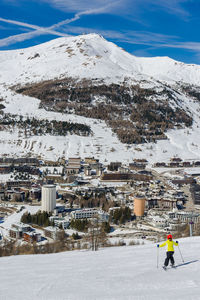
187,263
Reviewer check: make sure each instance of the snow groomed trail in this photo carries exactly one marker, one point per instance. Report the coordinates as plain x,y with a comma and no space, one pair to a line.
128,272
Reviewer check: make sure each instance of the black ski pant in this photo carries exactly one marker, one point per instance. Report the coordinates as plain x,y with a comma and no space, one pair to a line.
169,257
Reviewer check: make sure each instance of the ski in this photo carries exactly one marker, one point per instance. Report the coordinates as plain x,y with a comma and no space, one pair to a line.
171,267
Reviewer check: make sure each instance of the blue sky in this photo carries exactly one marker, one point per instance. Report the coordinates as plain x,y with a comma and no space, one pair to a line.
141,27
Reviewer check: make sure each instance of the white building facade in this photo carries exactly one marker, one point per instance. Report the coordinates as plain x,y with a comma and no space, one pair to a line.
89,213
48,197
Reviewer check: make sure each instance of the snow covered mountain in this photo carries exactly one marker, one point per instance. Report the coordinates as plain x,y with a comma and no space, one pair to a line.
89,56
62,67
111,273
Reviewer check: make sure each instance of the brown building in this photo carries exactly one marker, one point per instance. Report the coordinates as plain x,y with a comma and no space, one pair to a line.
55,178
114,166
174,164
74,161
18,229
187,164
125,177
116,177
15,233
4,169
14,195
175,159
31,237
162,203
168,204
181,182
160,164
35,193
139,206
70,170
91,160
18,183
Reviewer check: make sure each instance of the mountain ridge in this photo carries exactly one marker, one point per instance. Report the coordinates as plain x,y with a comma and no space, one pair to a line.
91,49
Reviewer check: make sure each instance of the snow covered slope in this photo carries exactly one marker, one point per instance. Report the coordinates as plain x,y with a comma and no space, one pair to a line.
88,56
92,57
169,70
111,273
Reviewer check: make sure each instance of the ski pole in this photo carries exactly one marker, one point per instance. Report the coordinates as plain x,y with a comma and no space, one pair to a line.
157,256
180,254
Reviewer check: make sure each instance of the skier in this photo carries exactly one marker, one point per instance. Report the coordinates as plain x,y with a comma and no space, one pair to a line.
170,250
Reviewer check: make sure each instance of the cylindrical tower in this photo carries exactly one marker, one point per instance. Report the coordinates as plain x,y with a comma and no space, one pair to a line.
48,197
139,206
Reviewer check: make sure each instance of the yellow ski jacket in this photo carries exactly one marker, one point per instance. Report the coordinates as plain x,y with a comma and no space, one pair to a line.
170,245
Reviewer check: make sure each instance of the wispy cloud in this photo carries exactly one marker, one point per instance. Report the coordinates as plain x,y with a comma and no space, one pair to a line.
175,7
171,6
101,6
17,38
28,35
78,15
128,36
146,38
183,45
157,40
39,30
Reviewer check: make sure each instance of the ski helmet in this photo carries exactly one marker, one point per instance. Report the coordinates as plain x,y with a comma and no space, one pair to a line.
169,236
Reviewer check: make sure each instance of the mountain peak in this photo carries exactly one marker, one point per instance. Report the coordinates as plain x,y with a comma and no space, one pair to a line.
91,56
92,35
